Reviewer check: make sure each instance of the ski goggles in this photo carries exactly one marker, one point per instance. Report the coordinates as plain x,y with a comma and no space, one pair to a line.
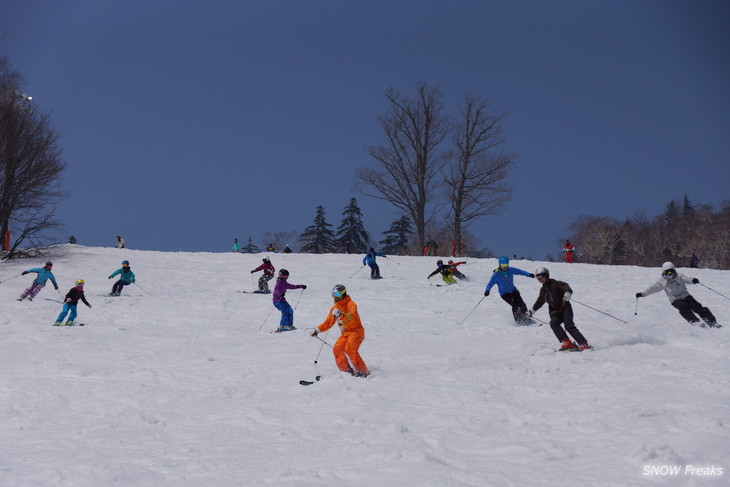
338,294
504,267
669,272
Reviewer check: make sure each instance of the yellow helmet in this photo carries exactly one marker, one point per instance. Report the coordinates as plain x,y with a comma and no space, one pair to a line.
79,282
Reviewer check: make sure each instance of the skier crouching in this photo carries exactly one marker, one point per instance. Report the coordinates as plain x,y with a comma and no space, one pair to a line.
44,273
446,272
126,277
352,333
557,295
675,285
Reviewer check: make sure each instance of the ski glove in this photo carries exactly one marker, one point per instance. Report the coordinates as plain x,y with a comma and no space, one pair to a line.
336,312
567,296
55,287
532,275
303,286
23,273
89,306
530,313
68,300
486,293
695,281
639,295
314,332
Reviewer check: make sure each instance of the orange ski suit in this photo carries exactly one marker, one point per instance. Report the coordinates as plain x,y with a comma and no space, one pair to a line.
352,335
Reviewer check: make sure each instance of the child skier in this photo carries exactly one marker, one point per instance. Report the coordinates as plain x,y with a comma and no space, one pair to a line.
287,313
369,259
446,272
675,285
352,333
70,303
126,277
455,271
503,277
44,273
557,294
268,274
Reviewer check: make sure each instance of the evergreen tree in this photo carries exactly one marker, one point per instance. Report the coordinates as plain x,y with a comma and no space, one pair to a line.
352,226
250,247
396,238
72,240
318,238
672,212
688,209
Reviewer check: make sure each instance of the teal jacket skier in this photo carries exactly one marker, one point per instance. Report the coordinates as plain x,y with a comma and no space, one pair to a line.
126,277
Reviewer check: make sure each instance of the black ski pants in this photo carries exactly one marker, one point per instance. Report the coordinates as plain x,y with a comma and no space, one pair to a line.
374,271
519,308
565,317
689,306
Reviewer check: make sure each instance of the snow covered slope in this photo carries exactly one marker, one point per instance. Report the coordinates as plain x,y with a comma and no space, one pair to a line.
179,383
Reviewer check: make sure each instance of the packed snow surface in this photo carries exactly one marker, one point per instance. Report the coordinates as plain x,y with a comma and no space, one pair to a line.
179,382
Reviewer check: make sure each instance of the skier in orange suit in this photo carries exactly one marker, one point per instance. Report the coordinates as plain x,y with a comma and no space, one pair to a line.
344,313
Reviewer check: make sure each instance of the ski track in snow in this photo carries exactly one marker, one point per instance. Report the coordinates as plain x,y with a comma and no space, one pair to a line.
175,384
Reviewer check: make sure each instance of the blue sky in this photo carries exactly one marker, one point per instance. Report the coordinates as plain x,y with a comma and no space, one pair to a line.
186,124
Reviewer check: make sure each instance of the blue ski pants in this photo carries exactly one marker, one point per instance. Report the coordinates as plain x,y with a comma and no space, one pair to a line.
287,314
66,308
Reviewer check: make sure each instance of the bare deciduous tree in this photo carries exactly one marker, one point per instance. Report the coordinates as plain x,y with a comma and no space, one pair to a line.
475,181
410,163
30,166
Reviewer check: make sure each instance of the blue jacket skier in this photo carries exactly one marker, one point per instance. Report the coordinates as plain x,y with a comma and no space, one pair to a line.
369,259
44,273
503,277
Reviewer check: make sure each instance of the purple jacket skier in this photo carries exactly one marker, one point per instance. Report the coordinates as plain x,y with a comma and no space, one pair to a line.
287,313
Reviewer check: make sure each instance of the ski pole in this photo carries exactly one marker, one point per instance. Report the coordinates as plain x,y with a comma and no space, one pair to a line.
323,342
299,298
708,287
267,317
636,311
386,257
602,312
9,278
470,312
141,288
539,320
353,274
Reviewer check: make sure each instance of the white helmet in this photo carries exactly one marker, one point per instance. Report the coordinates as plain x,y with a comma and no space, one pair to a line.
541,271
667,265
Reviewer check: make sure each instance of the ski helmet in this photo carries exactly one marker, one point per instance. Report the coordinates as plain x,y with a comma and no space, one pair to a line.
451,261
125,262
79,282
339,292
439,262
284,273
668,269
266,259
541,271
667,265
49,263
503,260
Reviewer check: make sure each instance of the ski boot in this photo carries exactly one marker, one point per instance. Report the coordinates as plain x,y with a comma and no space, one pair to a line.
583,346
58,323
568,346
69,323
